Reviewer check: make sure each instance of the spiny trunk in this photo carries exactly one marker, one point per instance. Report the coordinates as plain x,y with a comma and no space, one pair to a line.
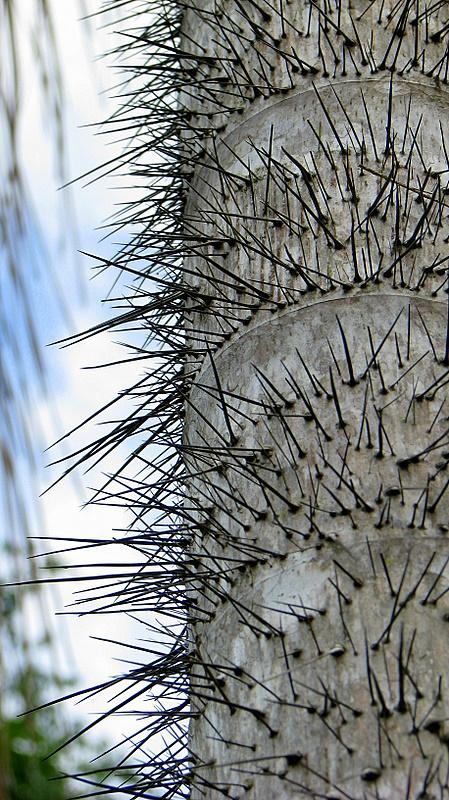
295,240
316,432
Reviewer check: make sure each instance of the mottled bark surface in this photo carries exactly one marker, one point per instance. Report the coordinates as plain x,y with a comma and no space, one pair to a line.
317,433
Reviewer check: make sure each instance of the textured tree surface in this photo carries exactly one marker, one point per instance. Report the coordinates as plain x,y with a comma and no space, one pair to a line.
295,519
316,427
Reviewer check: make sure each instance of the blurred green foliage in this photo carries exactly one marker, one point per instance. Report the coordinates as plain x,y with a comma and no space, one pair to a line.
28,652
29,774
29,676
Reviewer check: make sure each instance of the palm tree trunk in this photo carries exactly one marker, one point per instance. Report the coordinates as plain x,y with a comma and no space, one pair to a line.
317,425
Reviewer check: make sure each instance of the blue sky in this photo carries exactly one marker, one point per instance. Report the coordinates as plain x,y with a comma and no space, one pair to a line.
72,394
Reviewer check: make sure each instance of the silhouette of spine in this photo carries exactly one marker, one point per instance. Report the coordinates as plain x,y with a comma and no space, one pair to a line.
290,474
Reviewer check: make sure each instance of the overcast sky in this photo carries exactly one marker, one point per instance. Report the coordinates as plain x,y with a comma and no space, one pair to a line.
74,394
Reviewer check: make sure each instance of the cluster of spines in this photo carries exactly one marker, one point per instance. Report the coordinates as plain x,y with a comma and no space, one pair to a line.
251,480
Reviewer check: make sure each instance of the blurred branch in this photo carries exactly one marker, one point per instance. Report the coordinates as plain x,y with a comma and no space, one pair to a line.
27,34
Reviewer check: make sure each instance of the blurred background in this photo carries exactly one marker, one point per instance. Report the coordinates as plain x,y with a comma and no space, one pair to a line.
55,88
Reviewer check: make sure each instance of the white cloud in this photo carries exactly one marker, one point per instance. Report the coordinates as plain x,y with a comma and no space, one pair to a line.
75,394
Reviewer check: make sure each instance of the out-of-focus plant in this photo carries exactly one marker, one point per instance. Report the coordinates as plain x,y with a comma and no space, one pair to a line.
27,35
25,266
26,739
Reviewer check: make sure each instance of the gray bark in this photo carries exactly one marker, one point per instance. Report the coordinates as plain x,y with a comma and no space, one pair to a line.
316,426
